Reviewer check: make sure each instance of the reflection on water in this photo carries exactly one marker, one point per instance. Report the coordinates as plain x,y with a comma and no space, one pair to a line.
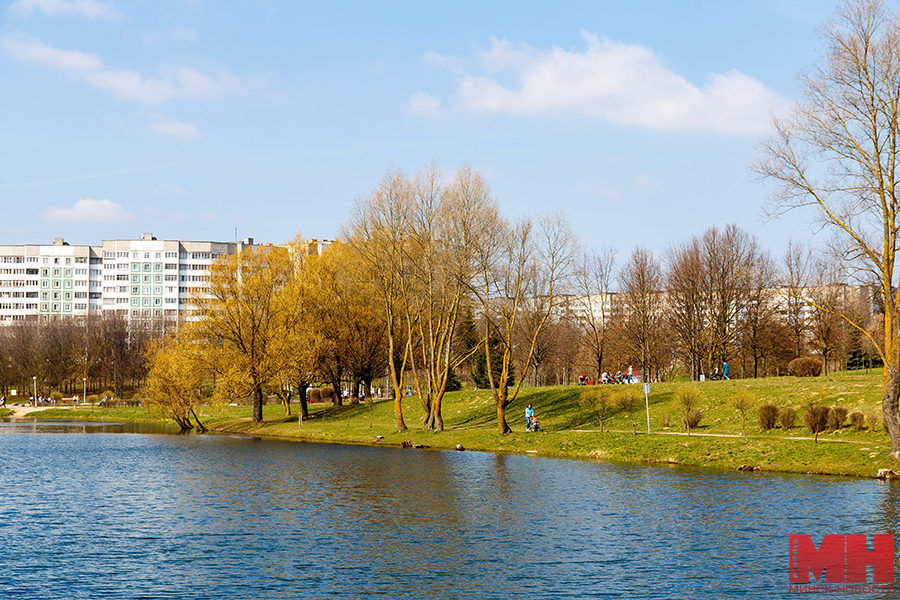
201,516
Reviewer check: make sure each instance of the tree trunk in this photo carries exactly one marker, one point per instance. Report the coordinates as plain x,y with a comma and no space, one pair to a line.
501,418
891,410
258,404
304,407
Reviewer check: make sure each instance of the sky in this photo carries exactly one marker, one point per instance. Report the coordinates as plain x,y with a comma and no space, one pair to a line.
202,120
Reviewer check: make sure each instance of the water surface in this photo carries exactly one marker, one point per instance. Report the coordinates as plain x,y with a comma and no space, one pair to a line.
97,512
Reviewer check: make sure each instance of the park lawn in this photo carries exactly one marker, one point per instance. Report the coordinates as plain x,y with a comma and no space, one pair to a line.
571,430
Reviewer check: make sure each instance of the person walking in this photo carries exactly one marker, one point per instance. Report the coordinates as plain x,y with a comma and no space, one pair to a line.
529,414
725,370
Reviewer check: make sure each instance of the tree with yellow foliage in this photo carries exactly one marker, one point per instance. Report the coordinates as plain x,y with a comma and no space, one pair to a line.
244,315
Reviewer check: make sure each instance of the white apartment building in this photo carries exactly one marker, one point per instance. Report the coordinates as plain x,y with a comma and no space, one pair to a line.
139,279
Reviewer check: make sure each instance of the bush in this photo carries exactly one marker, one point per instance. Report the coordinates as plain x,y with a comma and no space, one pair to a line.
836,418
872,421
742,401
108,394
666,421
816,418
805,367
314,395
768,414
688,397
92,399
857,420
787,417
692,420
56,396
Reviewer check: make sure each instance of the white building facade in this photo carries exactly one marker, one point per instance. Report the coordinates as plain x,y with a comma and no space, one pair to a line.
139,279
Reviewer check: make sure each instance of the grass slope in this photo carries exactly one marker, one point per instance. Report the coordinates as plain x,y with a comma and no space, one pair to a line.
573,431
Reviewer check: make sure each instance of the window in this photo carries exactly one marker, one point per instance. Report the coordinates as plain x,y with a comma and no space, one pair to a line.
80,260
157,290
147,290
109,255
121,255
33,259
67,296
171,266
146,279
135,291
121,300
45,272
56,295
68,261
157,267
171,255
45,307
135,279
44,295
67,308
135,266
147,266
80,295
67,273
146,255
135,301
121,277
122,266
171,277
146,301
56,272
157,278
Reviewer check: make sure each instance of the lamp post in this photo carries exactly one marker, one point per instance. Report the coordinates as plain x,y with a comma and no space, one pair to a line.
83,390
34,380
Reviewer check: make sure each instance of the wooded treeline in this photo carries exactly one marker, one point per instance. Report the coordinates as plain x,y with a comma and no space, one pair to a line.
429,287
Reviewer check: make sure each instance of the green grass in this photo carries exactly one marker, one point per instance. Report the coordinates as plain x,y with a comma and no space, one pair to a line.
573,431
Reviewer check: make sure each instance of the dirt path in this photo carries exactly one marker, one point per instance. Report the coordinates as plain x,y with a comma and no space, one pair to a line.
22,411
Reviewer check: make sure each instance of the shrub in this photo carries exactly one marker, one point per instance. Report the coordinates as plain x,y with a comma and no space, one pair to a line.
688,397
666,421
627,400
314,395
816,418
692,420
742,401
597,399
787,417
56,395
92,399
768,414
806,366
108,394
857,420
872,421
836,418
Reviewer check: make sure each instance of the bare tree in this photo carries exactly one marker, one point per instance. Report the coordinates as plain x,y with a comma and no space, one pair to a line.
640,282
687,308
518,267
838,153
795,279
592,282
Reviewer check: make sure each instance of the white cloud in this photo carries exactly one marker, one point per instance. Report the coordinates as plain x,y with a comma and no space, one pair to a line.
87,210
165,126
611,81
80,8
175,81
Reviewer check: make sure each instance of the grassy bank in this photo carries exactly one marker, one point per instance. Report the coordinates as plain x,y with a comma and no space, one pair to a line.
573,431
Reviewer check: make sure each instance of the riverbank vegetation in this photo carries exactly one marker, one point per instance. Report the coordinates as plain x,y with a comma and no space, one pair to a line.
571,428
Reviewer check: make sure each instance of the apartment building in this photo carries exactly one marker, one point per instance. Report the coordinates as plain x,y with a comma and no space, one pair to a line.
139,279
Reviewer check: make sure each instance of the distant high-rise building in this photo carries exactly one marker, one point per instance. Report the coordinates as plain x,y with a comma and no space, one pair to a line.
139,279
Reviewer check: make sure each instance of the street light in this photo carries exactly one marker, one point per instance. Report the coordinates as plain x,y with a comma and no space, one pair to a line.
34,379
83,391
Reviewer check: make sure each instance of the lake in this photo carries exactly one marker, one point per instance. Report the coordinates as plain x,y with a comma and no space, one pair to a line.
125,511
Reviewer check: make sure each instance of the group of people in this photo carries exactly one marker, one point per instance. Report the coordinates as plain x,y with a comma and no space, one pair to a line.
715,374
608,378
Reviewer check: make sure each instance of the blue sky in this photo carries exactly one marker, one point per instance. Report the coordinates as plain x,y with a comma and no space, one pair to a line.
190,118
